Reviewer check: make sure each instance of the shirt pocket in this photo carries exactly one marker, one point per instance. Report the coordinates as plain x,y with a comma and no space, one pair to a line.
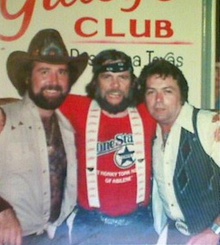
19,153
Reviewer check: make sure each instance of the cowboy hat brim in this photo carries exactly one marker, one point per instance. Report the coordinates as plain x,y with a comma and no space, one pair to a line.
18,62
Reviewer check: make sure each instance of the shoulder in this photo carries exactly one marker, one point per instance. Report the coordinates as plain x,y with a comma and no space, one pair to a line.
12,109
63,121
14,115
75,99
75,108
205,125
74,103
205,116
206,131
149,122
142,109
4,101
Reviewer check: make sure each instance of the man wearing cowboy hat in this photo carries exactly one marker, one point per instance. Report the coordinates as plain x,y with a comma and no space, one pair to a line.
38,168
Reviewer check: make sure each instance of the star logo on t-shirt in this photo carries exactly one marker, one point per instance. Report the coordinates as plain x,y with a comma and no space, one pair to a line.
124,158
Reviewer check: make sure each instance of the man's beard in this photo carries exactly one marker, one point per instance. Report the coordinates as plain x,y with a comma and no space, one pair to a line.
113,109
47,103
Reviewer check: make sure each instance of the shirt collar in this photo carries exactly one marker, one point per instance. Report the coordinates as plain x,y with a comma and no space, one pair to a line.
184,119
28,102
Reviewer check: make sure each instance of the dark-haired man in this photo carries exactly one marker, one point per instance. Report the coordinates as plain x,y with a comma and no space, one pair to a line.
113,140
186,159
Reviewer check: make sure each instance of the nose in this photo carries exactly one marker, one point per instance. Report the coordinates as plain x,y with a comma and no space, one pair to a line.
115,83
54,78
159,97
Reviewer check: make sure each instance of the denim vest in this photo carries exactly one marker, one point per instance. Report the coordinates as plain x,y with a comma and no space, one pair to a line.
196,182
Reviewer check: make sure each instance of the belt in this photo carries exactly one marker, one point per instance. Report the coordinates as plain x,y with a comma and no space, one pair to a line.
117,221
137,216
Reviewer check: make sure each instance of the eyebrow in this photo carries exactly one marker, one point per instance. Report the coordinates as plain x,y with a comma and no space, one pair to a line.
167,87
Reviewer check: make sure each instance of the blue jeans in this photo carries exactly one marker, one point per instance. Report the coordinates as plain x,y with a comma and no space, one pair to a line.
61,238
92,227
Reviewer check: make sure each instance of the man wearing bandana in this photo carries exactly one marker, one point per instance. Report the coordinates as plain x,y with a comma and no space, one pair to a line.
114,141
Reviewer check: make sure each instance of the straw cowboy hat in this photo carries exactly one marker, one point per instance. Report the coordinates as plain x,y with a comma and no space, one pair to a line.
46,46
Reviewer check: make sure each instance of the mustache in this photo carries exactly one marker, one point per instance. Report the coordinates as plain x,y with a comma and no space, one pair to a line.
115,91
52,87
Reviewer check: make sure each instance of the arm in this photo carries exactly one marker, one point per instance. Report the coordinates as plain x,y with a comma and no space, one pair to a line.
2,119
208,133
10,228
211,146
208,236
4,101
217,134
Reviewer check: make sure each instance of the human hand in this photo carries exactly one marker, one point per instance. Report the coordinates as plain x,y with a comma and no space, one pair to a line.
216,118
2,119
205,237
217,134
10,228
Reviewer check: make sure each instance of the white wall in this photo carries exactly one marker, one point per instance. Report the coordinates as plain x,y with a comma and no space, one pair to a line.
173,30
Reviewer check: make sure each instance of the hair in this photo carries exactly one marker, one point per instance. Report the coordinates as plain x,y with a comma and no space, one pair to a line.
97,63
163,68
25,76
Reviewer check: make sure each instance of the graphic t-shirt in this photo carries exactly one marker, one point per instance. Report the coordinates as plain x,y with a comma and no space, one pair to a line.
117,180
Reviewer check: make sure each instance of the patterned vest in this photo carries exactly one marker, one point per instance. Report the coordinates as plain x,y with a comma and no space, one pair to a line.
196,182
